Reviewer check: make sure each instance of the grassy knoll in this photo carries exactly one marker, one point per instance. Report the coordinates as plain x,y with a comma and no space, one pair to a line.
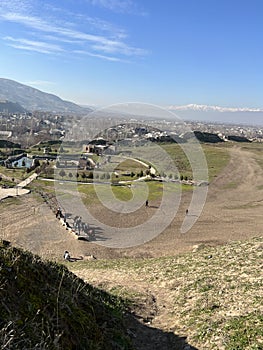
132,165
213,295
178,156
45,306
256,150
217,157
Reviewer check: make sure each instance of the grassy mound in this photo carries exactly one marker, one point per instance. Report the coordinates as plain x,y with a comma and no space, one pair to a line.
212,295
44,306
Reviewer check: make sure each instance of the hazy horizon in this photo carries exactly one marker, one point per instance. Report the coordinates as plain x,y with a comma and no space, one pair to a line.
102,52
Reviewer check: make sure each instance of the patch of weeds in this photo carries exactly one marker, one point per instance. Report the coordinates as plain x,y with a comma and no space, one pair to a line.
203,284
244,332
205,330
206,287
11,201
127,296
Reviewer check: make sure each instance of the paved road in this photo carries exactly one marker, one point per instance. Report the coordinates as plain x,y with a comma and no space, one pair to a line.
18,190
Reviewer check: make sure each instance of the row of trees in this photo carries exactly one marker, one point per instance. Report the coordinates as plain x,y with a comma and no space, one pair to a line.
91,175
83,175
48,170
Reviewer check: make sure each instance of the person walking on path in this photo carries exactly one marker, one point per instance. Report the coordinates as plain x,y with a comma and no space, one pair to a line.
58,213
147,203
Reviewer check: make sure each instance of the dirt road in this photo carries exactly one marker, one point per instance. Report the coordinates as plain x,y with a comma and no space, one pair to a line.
18,190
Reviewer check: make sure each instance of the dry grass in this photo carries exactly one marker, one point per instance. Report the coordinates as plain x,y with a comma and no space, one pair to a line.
212,295
44,306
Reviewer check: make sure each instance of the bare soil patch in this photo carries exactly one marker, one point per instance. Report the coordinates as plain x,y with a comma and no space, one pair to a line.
231,212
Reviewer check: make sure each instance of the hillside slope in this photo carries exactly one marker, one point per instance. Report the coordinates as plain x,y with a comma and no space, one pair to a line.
11,107
212,296
44,306
33,99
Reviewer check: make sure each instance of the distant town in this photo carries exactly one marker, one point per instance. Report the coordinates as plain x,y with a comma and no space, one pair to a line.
28,129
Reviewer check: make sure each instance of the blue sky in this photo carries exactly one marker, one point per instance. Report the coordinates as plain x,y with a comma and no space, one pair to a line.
173,52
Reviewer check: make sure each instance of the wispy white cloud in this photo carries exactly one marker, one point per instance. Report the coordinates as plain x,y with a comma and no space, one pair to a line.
122,6
66,36
118,47
104,57
102,26
22,5
31,45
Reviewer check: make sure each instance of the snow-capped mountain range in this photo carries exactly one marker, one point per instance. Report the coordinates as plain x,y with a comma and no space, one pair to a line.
23,97
218,114
207,108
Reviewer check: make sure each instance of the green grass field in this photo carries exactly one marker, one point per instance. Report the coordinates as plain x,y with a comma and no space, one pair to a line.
13,173
216,156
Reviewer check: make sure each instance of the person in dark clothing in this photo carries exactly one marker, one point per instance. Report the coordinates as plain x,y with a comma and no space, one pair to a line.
58,213
66,255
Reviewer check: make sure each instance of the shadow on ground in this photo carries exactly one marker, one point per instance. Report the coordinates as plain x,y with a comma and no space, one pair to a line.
145,337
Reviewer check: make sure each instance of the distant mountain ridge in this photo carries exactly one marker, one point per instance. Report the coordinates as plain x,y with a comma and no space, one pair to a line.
32,99
11,107
218,114
208,108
